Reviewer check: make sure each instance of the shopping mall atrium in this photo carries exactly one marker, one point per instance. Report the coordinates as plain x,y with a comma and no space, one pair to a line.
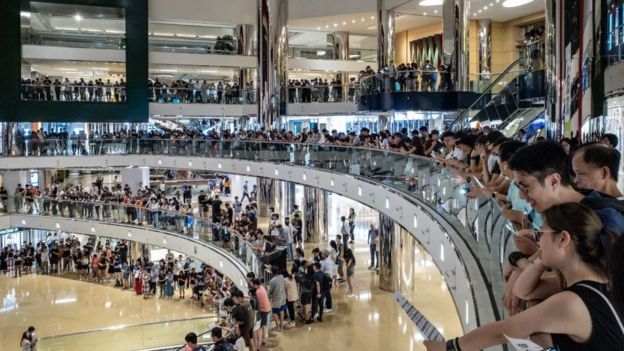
439,175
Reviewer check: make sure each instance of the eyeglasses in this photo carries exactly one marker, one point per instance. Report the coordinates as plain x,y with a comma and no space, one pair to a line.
539,233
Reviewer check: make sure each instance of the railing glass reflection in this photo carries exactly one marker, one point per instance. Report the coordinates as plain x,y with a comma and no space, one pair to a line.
226,240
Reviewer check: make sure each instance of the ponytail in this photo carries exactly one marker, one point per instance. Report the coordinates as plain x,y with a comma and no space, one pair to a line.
616,274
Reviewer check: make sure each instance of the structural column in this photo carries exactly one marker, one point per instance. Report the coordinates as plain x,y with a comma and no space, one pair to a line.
266,192
341,52
385,35
10,180
315,215
554,125
272,56
388,231
455,45
136,178
485,46
244,34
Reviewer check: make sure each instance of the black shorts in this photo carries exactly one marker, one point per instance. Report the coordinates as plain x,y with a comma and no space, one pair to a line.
306,298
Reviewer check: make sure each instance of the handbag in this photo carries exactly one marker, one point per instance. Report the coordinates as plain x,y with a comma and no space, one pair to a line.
606,299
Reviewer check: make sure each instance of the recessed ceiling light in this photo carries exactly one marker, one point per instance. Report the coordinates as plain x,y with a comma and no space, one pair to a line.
335,24
25,14
372,17
485,7
362,19
435,11
424,14
352,21
344,23
318,28
78,17
480,11
515,3
430,2
474,14
491,4
326,26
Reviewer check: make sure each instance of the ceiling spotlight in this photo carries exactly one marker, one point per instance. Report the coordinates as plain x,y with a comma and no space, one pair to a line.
318,28
352,21
515,3
78,17
491,4
372,17
344,23
430,2
335,24
474,14
327,26
480,11
424,14
435,11
362,19
485,7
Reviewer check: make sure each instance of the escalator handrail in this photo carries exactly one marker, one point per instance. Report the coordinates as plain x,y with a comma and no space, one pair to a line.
485,92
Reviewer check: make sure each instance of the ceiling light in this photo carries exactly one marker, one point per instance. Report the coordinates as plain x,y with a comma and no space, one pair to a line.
327,26
168,70
112,31
352,21
321,53
208,71
491,4
92,30
430,2
372,17
474,14
163,34
362,19
424,14
100,68
78,17
67,69
344,23
435,11
335,24
515,3
186,35
66,28
480,11
207,36
318,28
25,14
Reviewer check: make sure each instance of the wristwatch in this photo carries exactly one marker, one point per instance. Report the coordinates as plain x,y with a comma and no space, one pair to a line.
453,345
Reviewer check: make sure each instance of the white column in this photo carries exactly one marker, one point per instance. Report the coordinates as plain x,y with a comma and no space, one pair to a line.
10,180
136,178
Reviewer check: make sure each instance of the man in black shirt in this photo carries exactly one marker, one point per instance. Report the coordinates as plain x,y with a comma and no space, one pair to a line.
317,295
216,208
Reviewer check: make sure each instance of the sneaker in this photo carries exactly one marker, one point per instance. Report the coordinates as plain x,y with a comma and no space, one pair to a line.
319,319
329,310
309,321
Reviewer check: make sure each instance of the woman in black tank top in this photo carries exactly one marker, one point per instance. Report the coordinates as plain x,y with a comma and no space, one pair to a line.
587,314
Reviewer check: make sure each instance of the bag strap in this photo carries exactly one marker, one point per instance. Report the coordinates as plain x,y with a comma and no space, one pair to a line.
617,316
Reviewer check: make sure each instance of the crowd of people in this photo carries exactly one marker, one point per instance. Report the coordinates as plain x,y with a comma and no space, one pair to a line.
563,197
95,90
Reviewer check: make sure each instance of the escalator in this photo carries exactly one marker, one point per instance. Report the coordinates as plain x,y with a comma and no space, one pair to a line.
512,101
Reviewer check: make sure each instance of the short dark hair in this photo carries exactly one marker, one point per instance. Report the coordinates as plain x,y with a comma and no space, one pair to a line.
435,132
468,140
495,135
317,265
600,155
191,337
447,134
423,129
613,139
216,333
541,160
255,281
508,148
228,302
251,275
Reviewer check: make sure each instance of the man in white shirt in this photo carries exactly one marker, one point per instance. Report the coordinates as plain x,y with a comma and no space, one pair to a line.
288,228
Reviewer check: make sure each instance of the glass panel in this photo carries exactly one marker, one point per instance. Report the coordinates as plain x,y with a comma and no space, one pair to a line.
73,76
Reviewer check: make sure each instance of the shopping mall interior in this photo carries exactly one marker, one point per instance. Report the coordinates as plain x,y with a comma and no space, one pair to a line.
421,175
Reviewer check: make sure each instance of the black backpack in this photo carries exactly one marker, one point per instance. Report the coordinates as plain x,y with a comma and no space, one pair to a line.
307,285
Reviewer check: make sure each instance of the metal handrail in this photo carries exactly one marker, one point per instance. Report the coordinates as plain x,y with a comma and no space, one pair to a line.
486,92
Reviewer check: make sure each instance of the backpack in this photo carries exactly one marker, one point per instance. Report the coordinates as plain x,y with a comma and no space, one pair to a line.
307,285
601,204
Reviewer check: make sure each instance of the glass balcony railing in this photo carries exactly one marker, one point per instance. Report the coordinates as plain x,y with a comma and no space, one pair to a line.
233,246
200,94
478,221
149,336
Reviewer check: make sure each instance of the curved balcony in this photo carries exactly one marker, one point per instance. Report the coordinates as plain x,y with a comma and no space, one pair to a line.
219,247
466,238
